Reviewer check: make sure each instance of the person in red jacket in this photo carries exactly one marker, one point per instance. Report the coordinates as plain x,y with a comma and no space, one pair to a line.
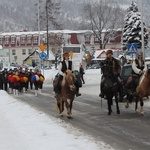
16,82
23,80
41,80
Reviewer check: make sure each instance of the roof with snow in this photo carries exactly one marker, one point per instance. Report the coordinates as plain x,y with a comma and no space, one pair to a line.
50,32
51,55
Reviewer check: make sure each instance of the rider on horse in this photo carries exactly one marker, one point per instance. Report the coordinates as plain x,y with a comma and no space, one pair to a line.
65,65
115,66
138,68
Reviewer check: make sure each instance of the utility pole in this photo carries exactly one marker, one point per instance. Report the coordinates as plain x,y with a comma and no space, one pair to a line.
142,30
47,29
39,21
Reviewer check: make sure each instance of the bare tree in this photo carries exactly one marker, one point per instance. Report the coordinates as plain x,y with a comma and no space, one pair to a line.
103,15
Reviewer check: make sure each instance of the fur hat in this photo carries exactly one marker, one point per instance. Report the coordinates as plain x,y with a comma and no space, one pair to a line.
66,54
109,52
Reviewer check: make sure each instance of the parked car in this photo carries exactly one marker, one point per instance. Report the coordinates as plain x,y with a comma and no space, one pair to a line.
78,77
148,64
14,65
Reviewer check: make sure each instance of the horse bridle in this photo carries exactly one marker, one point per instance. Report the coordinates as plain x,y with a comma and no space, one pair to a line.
71,86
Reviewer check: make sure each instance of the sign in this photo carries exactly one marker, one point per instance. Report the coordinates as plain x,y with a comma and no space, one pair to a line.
42,47
43,55
71,54
132,48
4,58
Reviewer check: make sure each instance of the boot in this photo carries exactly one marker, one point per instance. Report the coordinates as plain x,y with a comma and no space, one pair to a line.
14,91
17,92
35,92
102,91
78,94
10,90
101,95
40,90
24,90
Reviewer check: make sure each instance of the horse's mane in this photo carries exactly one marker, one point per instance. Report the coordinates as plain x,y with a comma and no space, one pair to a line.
107,70
143,76
68,74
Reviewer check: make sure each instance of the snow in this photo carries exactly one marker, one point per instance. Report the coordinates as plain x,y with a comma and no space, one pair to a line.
25,128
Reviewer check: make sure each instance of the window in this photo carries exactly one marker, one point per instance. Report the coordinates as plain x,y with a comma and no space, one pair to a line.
87,38
7,40
23,51
29,40
73,49
45,39
13,40
112,36
29,51
1,41
96,39
13,52
23,40
35,39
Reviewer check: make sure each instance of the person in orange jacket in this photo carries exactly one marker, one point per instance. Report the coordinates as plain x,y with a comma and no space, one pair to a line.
16,82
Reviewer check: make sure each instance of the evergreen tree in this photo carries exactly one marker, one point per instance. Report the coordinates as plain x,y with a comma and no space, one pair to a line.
132,28
51,14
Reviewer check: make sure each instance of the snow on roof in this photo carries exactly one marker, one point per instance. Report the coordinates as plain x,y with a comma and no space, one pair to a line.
50,31
44,32
97,53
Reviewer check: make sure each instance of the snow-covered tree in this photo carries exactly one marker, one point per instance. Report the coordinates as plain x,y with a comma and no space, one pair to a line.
132,28
49,16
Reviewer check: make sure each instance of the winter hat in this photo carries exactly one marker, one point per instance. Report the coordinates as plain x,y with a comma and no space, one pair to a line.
109,52
66,54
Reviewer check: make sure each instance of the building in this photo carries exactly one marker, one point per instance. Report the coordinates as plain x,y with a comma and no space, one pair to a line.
22,44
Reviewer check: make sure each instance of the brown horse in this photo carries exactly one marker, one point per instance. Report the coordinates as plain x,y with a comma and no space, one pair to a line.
142,90
130,93
67,94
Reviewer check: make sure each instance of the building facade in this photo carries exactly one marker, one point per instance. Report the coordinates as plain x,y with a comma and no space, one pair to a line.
22,44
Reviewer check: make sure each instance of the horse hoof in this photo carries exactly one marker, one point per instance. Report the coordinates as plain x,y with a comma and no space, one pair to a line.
109,113
61,115
137,111
69,117
118,111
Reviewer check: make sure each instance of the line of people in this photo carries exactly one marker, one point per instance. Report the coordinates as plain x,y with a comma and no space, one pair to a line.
20,80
